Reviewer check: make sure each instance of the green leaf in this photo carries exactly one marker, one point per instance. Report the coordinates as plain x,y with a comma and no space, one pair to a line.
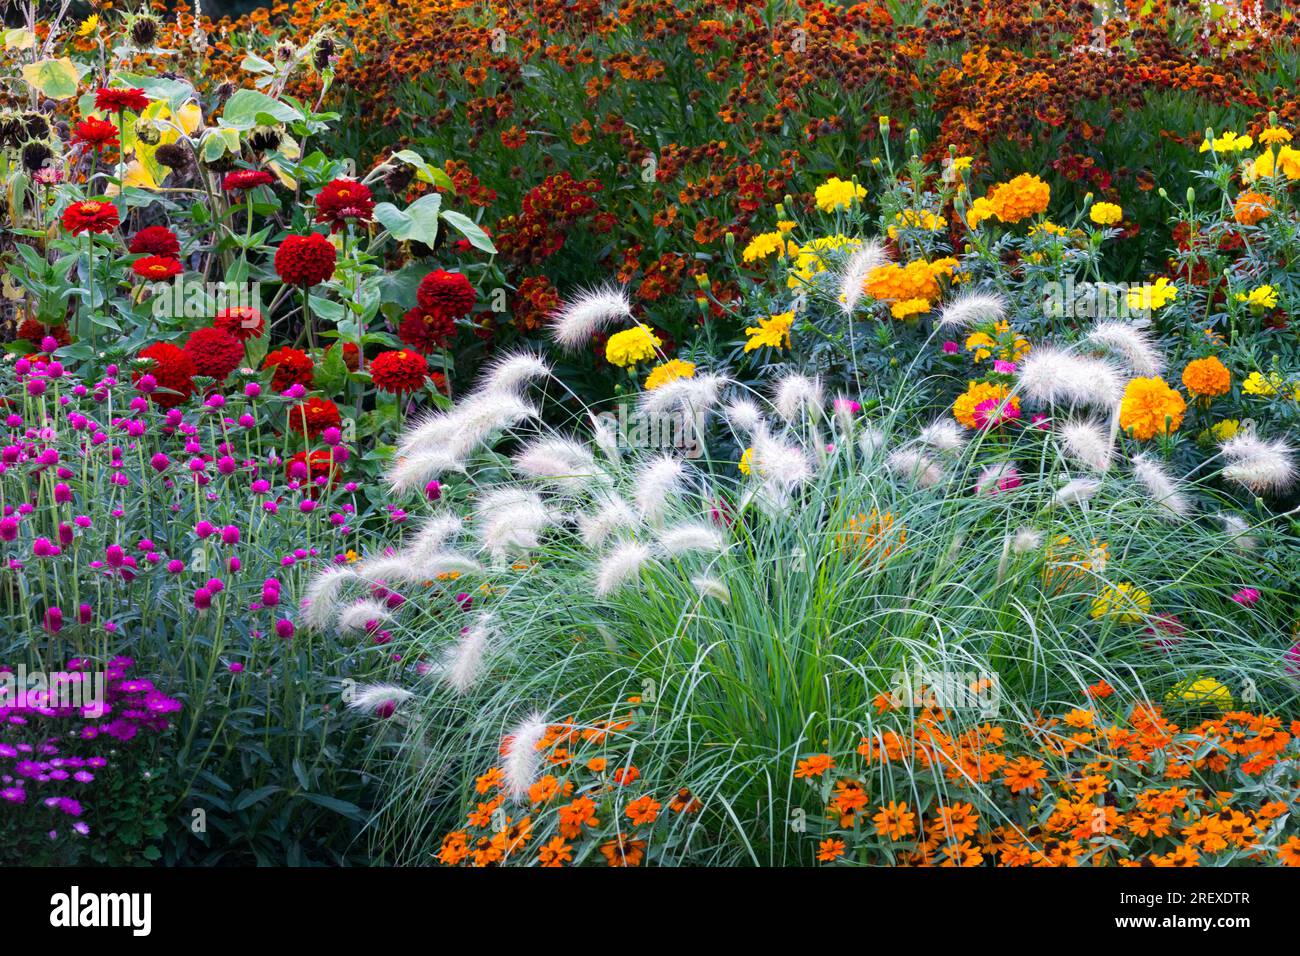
423,171
418,222
248,798
349,810
467,227
246,109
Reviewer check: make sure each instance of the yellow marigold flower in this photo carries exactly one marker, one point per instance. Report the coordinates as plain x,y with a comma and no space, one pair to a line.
1288,160
1262,297
1274,136
1124,602
905,307
1022,197
945,266
1149,297
895,283
1262,385
774,332
1207,377
669,371
1150,407
1201,690
981,343
1229,142
979,210
1225,429
810,258
1106,213
630,346
785,225
916,219
836,193
746,461
350,555
764,244
963,409
1251,208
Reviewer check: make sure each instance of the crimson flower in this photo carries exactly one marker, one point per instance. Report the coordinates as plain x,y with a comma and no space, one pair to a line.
305,260
156,241
95,133
399,371
120,100
157,268
344,199
90,216
246,179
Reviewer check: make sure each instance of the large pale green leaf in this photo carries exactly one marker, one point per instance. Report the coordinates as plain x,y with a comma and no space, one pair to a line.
248,108
418,222
470,230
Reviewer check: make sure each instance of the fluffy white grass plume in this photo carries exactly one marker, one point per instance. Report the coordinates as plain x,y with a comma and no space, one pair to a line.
655,481
1049,375
434,534
620,566
510,520
870,441
578,320
442,442
870,255
1129,344
1164,488
1077,491
711,588
698,394
915,466
1026,539
794,394
360,614
321,600
1087,443
1263,467
463,664
413,471
604,432
783,466
743,416
973,308
389,569
990,479
522,759
560,461
511,372
944,436
381,699
430,566
685,538
1237,529
612,514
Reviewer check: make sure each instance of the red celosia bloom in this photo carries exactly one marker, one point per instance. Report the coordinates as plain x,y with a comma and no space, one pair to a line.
426,331
446,294
305,260
313,416
157,268
95,133
29,330
120,100
90,216
398,372
292,367
156,241
172,369
246,179
344,199
215,352
242,322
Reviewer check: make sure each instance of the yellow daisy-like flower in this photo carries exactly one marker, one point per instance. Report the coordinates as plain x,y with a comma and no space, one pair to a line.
630,346
1225,429
979,210
1147,298
1124,602
1261,385
1261,297
764,244
746,463
811,259
1201,690
916,219
1288,161
773,332
1106,213
1229,142
669,371
1150,407
837,193
1274,136
88,25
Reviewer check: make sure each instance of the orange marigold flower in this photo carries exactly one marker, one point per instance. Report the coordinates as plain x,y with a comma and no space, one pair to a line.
625,776
1022,197
1207,377
976,394
485,782
1289,852
1251,208
624,851
684,802
573,816
1150,407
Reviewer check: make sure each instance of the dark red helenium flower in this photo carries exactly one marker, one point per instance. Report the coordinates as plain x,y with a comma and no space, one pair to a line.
243,322
215,352
292,367
446,294
120,100
344,199
399,371
157,268
90,216
246,179
156,241
95,133
313,416
172,369
426,332
305,260
29,330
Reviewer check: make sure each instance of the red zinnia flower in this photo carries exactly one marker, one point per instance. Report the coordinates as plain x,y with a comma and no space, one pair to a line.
157,268
90,216
95,133
305,260
174,372
156,241
119,100
313,416
446,293
351,355
398,372
344,199
320,464
215,352
29,330
426,332
292,367
243,322
246,179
